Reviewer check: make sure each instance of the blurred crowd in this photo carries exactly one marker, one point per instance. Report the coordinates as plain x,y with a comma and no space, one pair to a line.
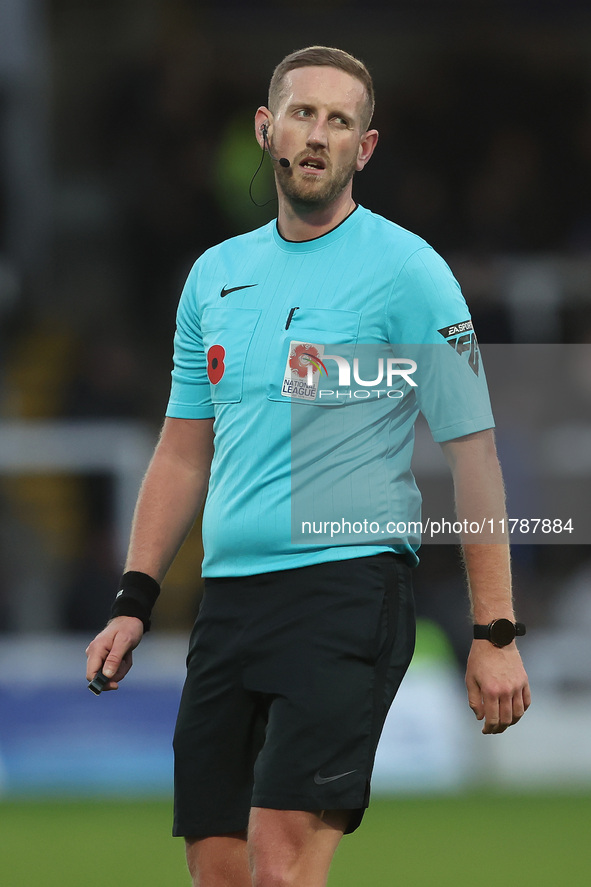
485,150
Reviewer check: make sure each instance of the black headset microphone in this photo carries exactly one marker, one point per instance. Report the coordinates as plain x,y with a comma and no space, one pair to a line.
282,161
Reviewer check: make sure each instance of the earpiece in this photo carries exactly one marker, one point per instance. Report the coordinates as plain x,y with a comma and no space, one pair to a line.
283,161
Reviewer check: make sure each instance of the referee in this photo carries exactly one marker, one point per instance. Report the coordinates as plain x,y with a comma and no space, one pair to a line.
301,642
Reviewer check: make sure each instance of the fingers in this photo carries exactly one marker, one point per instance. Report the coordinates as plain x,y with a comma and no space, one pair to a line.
96,653
526,698
475,699
111,650
501,710
118,661
496,719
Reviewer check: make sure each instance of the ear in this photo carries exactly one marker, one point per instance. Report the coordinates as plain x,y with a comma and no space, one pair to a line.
367,146
263,116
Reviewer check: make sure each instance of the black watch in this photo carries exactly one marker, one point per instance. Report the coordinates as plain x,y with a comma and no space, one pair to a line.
500,632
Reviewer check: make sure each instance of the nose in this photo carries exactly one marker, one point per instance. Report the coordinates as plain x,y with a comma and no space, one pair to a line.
318,134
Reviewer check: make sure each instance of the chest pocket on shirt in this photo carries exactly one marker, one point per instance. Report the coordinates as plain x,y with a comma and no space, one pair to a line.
227,334
316,326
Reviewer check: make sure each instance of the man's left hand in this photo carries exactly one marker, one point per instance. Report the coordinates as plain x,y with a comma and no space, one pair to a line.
498,687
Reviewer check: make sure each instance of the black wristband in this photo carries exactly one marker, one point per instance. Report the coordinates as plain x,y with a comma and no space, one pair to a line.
137,595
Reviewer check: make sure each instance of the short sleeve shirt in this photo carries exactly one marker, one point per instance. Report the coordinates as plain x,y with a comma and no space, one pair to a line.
258,321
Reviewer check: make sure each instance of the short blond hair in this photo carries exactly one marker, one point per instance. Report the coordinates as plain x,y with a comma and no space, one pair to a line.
328,57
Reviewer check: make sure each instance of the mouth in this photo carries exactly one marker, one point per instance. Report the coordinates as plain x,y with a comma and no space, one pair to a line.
313,164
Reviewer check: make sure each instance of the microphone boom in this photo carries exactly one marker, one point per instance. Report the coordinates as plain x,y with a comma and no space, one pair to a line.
282,161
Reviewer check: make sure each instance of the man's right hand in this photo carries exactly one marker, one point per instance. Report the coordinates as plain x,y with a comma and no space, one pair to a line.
111,650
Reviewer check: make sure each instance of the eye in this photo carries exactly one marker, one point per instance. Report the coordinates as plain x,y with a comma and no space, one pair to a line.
341,122
303,112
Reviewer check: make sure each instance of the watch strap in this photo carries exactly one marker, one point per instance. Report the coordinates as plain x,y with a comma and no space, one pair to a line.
482,632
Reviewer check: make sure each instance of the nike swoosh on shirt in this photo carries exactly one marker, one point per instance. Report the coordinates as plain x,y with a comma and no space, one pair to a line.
321,780
226,292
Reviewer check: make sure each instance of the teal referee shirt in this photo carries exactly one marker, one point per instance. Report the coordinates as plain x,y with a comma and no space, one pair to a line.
281,342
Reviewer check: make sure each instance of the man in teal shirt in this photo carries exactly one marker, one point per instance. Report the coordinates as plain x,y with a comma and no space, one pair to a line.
300,644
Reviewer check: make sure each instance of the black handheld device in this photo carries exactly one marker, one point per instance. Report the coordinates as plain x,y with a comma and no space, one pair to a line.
97,684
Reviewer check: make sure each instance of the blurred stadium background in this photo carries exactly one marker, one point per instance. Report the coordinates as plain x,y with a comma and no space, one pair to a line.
126,150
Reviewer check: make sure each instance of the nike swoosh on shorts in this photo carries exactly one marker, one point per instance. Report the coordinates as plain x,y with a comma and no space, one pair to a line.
321,780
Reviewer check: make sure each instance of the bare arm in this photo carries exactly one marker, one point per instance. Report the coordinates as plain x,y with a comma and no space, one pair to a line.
171,495
497,684
170,498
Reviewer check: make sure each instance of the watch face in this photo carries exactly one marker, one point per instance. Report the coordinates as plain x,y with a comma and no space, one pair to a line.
502,632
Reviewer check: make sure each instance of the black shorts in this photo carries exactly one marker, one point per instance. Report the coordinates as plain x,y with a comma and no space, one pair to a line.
290,676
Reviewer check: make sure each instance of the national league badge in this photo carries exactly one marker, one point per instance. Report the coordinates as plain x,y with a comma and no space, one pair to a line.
303,371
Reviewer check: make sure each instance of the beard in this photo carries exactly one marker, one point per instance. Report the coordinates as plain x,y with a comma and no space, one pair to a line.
310,191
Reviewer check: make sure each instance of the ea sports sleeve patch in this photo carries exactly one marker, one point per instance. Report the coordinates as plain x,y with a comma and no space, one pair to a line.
462,338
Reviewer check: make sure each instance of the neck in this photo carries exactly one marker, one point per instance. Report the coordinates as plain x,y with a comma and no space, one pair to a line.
305,222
